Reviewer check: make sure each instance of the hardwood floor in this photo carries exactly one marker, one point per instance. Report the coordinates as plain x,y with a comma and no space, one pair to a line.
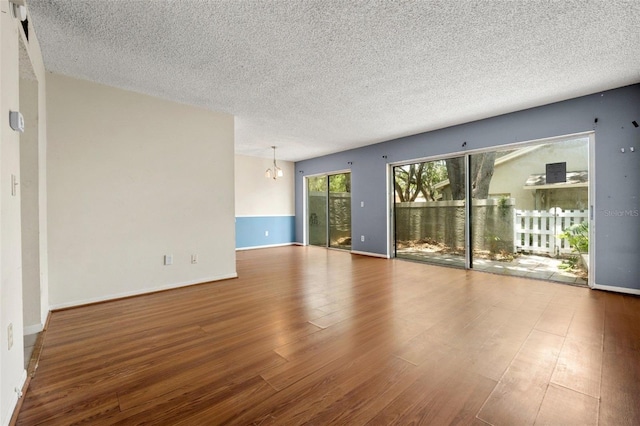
313,336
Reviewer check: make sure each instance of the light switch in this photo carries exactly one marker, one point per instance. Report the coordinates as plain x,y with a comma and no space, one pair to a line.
14,185
16,121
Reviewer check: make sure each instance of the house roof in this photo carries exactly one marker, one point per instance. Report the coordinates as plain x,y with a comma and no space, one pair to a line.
579,179
321,76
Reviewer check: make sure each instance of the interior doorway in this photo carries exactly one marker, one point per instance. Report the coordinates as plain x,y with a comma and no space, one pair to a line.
329,210
32,216
518,210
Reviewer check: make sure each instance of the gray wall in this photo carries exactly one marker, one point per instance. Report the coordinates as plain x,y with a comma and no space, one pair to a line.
617,175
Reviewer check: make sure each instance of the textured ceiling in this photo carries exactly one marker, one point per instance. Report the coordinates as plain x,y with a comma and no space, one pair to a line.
316,77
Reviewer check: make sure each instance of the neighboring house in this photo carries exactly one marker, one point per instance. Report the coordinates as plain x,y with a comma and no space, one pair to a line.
570,195
520,174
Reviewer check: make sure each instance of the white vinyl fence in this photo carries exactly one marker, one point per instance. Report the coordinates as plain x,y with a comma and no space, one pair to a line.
537,231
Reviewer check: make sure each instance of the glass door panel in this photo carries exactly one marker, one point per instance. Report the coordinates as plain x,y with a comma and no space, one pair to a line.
340,211
429,211
524,201
317,210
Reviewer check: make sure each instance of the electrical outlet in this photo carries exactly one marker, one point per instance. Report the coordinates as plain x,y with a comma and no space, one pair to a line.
266,233
10,335
362,238
168,259
194,259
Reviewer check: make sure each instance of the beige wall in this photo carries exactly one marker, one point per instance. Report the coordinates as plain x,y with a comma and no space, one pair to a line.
33,69
10,253
29,205
259,196
18,58
132,178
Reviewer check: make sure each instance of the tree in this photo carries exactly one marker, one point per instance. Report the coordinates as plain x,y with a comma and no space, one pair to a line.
419,179
317,184
407,183
340,182
455,171
337,183
481,173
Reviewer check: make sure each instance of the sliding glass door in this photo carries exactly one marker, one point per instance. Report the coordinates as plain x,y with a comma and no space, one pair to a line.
430,211
329,210
527,211
340,211
317,210
530,208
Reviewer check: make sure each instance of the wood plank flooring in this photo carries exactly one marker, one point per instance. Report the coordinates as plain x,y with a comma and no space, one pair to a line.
313,336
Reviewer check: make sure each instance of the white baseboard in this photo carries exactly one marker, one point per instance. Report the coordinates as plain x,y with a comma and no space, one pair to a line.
366,253
267,246
143,291
616,289
13,401
33,329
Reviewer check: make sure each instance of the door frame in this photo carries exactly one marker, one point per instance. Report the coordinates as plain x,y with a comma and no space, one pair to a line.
591,282
305,205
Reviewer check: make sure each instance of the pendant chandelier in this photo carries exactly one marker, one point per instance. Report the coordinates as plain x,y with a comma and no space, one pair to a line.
277,171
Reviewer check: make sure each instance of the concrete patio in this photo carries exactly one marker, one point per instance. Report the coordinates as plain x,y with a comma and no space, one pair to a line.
524,265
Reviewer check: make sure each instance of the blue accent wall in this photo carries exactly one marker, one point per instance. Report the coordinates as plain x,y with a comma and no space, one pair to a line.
250,231
617,175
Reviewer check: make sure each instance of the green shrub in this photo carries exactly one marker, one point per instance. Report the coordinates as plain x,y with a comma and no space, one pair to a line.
578,236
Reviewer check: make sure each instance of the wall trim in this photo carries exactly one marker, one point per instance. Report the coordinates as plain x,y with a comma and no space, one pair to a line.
266,246
141,292
15,396
634,291
33,329
366,253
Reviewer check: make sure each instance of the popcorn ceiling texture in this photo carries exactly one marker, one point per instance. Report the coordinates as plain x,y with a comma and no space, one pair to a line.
316,77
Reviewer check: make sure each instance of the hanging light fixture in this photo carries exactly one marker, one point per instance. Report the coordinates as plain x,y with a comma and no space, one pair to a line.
277,171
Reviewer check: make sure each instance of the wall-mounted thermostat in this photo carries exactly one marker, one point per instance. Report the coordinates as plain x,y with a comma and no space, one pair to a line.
16,121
